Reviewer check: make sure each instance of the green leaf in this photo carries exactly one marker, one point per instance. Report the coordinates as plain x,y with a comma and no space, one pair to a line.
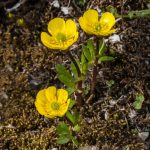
63,139
75,142
131,14
64,76
90,46
113,10
74,70
62,129
66,81
74,118
84,64
70,90
79,64
86,53
72,103
139,13
110,83
106,58
76,128
102,47
138,101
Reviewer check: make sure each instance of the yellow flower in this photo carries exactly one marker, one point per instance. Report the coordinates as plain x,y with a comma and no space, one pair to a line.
52,102
91,23
63,34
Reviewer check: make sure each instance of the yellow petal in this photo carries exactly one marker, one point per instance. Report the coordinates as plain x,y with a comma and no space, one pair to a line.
71,28
89,19
64,108
51,94
49,41
108,19
71,40
62,96
105,32
55,26
91,16
84,25
41,98
41,101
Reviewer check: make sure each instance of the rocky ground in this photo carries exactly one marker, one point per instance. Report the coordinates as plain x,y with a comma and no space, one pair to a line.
26,66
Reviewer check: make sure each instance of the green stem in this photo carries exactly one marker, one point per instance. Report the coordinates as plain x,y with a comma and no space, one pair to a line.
94,80
78,93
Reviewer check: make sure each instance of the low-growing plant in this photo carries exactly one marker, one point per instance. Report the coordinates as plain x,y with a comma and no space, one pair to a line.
131,14
53,102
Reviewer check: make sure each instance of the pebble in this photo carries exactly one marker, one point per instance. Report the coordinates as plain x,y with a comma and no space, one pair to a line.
54,148
132,113
143,135
66,10
89,120
56,4
88,148
114,38
106,115
34,84
9,68
3,95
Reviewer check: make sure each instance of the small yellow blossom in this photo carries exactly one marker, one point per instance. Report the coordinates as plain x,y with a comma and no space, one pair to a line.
52,102
63,34
91,23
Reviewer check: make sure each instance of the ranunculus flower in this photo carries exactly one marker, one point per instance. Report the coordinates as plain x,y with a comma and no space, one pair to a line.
62,34
92,24
52,102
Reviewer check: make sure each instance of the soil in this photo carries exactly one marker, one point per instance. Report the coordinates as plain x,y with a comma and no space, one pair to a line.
26,66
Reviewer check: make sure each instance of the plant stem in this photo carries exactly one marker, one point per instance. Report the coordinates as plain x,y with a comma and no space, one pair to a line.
94,80
78,93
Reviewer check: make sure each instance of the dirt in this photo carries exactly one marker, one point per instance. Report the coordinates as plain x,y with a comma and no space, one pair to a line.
26,66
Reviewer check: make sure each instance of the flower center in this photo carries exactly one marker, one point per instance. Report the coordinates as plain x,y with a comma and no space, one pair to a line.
55,106
97,27
61,37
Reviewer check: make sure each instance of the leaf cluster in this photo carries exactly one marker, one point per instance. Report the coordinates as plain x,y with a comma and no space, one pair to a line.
138,101
65,134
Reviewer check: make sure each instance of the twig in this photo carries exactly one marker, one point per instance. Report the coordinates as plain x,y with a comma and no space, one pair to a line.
16,6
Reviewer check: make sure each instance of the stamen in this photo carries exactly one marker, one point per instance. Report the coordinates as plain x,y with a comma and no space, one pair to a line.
55,106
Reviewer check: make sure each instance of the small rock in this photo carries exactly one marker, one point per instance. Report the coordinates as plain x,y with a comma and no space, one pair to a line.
35,84
114,38
88,148
146,62
99,10
9,68
148,5
10,126
66,10
56,3
112,102
89,120
143,135
3,95
54,148
132,113
106,115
